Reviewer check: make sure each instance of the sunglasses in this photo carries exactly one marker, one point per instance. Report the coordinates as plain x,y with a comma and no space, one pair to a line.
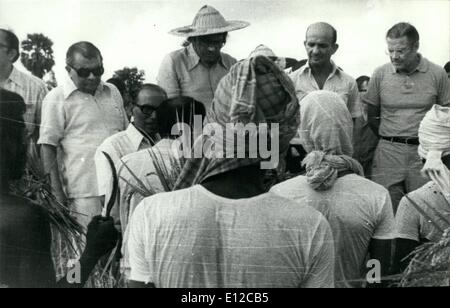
86,72
147,110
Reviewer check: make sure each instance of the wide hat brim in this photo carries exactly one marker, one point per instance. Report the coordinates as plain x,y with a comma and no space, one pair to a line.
190,31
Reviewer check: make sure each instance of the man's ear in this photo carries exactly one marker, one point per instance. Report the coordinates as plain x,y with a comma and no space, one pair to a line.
335,48
416,46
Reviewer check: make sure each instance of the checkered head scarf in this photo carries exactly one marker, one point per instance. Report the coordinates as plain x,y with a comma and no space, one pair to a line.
257,94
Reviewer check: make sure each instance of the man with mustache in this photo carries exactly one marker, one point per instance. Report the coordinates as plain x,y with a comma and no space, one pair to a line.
321,73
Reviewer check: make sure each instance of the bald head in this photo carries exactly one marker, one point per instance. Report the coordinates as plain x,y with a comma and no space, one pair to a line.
322,29
320,44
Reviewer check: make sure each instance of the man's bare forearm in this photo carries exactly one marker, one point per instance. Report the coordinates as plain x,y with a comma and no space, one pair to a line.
49,159
373,115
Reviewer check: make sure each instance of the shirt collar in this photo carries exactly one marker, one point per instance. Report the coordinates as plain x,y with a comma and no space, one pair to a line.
137,138
69,87
422,67
335,71
194,59
15,77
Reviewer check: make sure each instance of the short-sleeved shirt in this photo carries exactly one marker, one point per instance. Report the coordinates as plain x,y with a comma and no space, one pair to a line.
181,73
357,209
78,123
404,99
194,238
141,164
33,91
338,82
412,225
117,146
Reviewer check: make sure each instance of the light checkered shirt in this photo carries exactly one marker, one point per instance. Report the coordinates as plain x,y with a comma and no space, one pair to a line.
33,91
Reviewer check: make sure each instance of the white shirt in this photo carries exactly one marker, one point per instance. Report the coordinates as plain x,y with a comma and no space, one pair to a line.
194,238
412,225
357,209
338,82
141,164
117,146
78,123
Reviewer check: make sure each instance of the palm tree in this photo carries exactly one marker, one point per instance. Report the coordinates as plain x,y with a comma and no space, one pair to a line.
37,54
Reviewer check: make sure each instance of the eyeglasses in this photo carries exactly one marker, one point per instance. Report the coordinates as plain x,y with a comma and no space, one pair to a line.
86,72
399,52
147,110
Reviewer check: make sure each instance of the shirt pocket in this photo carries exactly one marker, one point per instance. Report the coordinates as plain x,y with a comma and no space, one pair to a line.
112,115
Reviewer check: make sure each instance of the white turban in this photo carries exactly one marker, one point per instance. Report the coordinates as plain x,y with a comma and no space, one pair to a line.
434,138
434,131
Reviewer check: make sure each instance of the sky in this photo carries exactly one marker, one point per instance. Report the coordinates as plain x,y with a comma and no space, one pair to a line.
135,33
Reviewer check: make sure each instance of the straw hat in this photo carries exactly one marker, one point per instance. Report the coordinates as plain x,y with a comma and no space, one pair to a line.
209,21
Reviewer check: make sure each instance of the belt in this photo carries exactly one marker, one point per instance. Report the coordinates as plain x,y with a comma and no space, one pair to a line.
406,140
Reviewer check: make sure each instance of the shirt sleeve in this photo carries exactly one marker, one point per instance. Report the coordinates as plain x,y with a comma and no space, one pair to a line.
407,221
443,89
42,92
354,104
102,167
385,223
372,96
167,77
136,246
53,120
321,273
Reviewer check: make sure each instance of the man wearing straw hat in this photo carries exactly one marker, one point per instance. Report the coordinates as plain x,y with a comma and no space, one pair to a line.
196,69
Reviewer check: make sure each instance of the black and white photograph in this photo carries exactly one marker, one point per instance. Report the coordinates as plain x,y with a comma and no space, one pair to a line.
207,146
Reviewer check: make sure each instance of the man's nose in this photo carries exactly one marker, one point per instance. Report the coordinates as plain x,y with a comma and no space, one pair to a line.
91,76
212,48
315,50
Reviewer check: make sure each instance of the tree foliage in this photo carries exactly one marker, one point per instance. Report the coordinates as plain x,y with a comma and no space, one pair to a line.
37,54
133,79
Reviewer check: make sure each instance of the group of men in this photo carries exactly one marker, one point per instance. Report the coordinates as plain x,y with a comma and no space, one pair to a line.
221,228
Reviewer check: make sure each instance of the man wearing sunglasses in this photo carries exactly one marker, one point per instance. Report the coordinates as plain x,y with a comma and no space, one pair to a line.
141,134
30,88
196,70
77,117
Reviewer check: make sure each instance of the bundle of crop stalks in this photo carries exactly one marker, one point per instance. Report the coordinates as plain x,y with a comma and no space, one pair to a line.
430,262
66,231
167,168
